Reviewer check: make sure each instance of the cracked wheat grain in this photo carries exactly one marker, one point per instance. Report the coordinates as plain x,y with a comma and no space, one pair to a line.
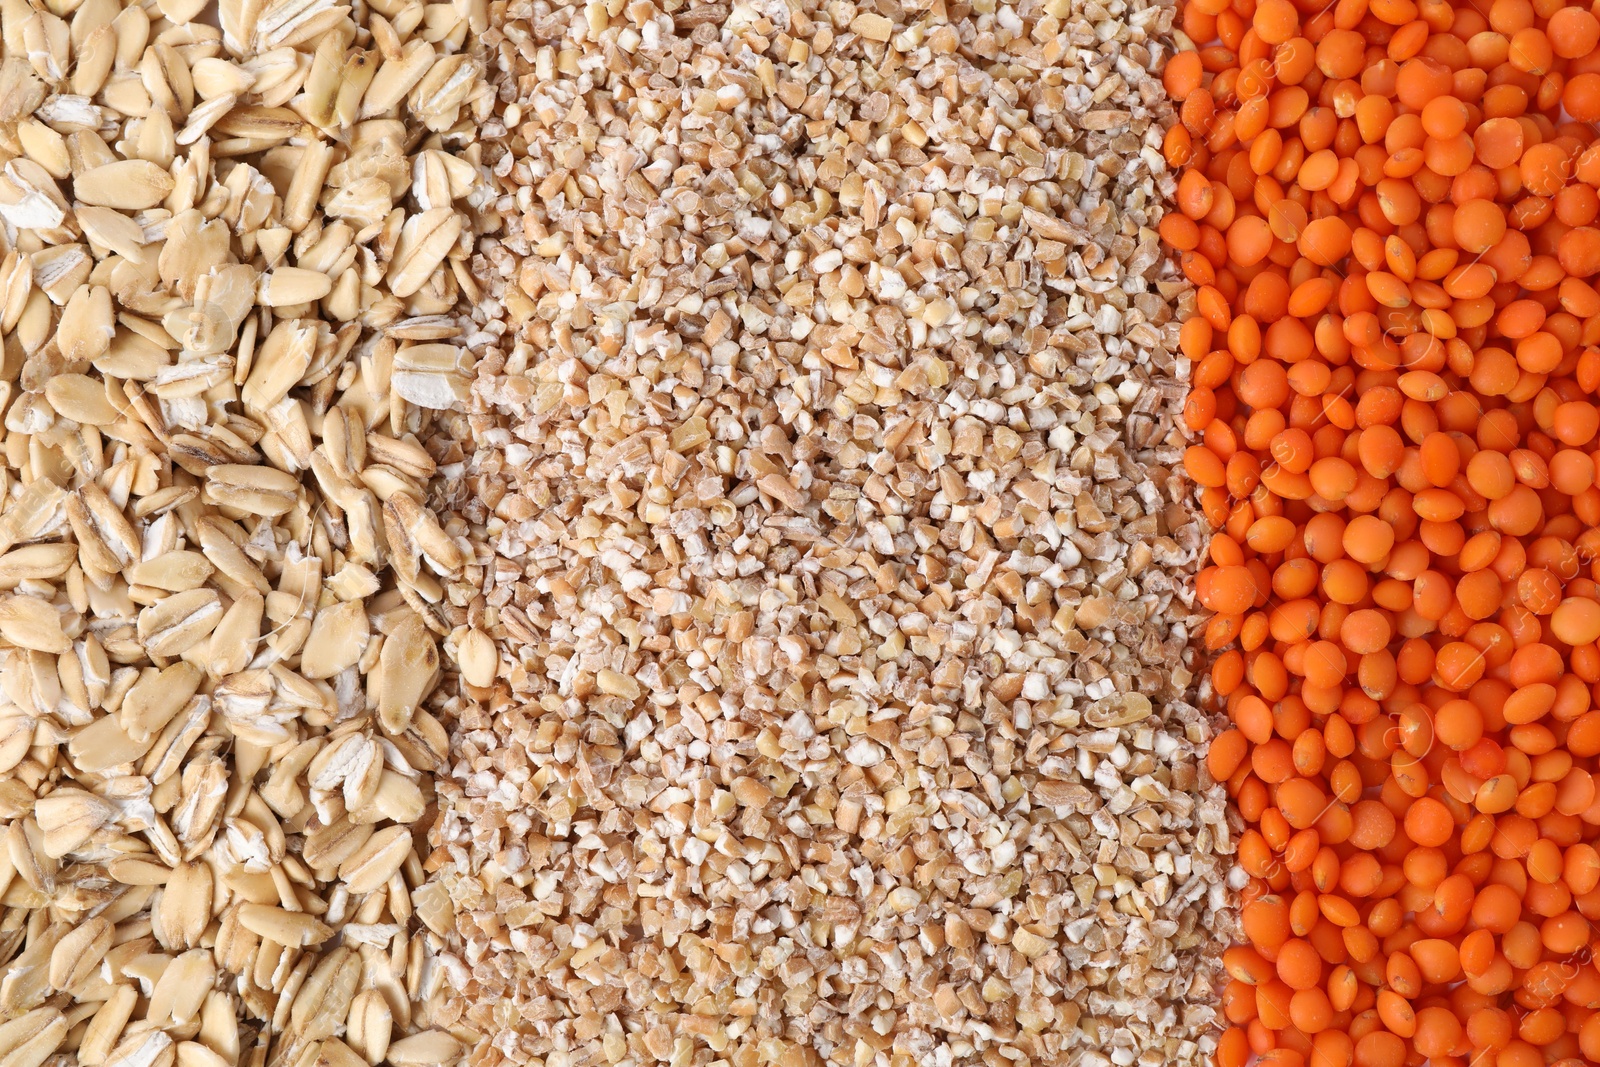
836,704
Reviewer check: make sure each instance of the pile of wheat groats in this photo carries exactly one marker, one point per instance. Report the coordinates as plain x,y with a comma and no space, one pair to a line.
1389,211
829,476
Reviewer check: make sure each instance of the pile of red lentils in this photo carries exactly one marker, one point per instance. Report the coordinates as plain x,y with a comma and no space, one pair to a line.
1388,209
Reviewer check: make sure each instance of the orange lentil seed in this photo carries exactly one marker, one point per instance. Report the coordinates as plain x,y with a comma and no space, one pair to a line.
1396,419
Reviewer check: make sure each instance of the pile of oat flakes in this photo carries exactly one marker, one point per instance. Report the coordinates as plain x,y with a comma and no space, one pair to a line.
607,533
233,282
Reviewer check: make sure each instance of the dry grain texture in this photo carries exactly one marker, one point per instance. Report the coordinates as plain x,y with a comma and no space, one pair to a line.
228,231
826,453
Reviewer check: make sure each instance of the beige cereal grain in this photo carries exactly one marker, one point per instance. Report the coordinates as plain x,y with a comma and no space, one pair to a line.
827,450
223,585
